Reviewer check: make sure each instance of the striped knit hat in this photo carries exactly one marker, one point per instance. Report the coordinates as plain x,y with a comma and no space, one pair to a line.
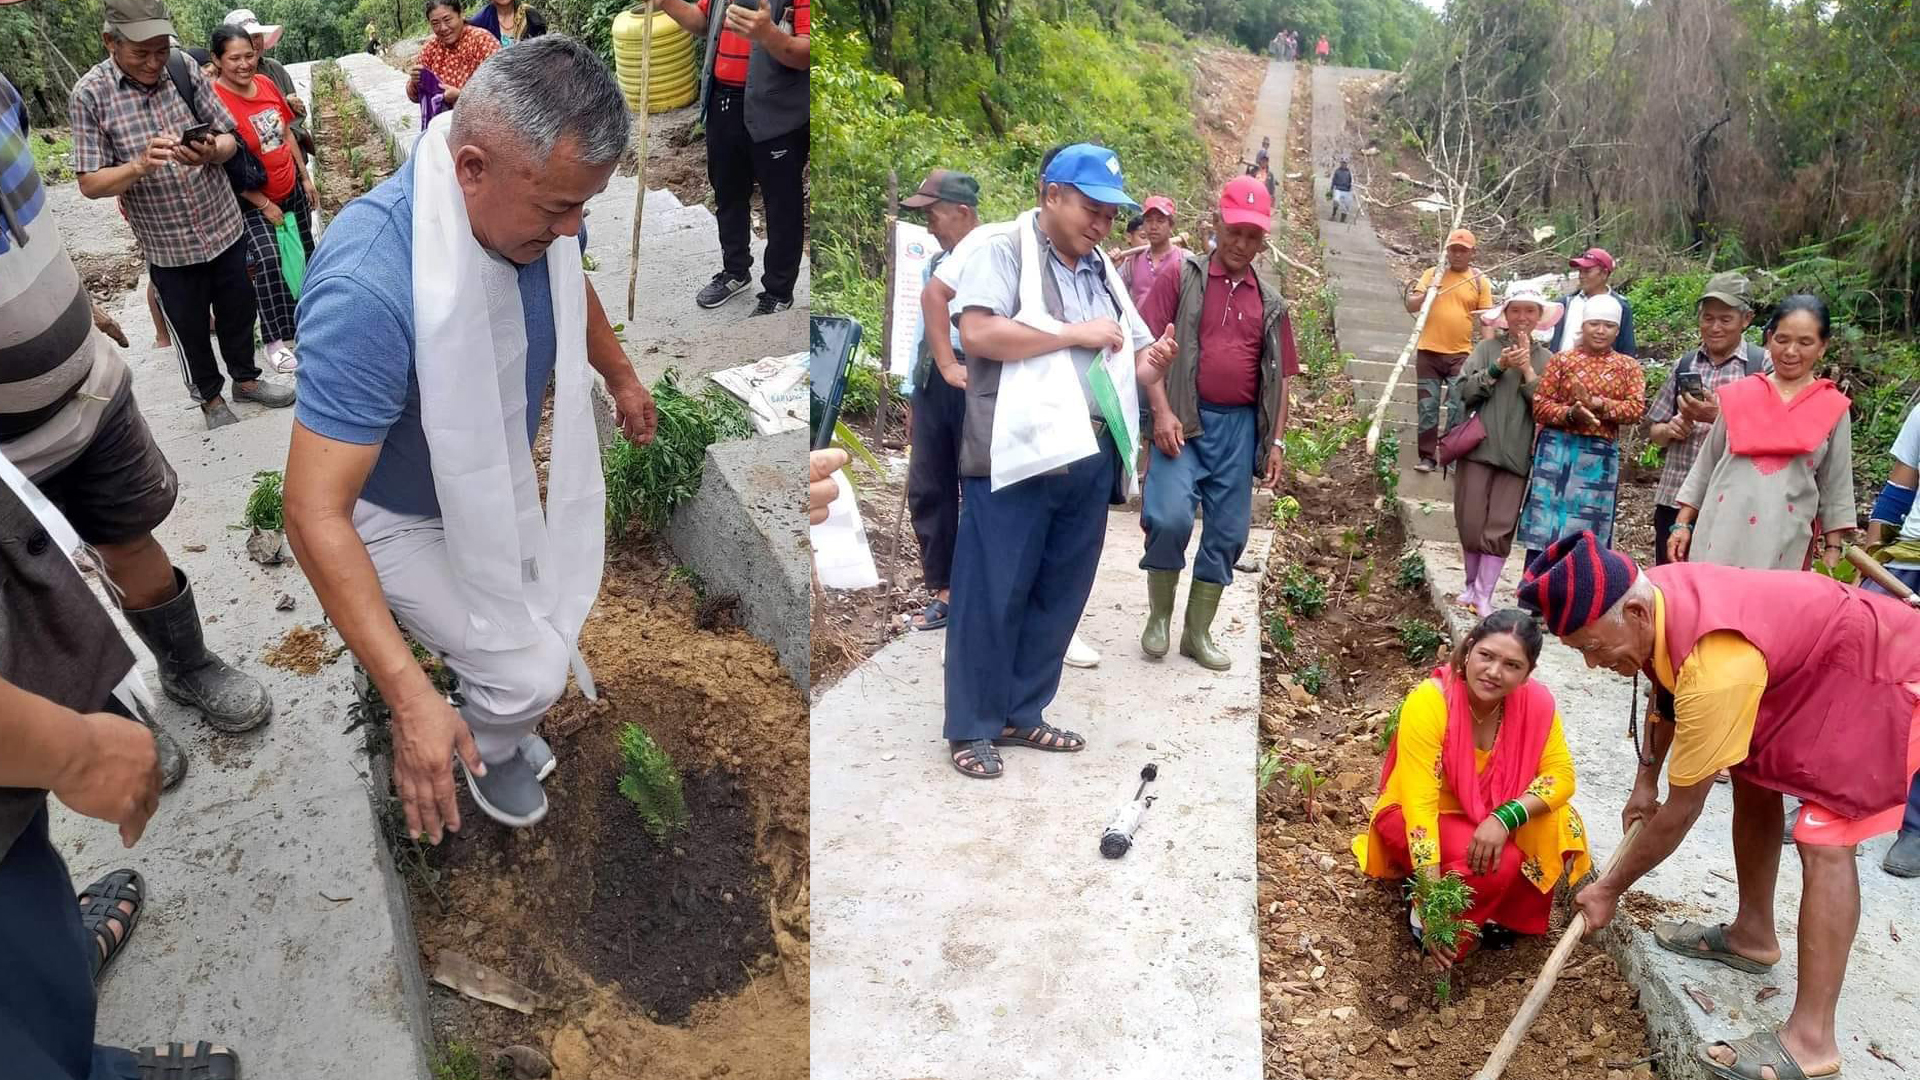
1575,581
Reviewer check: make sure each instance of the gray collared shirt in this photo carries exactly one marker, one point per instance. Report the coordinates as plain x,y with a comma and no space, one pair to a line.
989,279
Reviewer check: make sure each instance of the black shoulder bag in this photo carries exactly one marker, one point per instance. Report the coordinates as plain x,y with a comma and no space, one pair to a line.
244,170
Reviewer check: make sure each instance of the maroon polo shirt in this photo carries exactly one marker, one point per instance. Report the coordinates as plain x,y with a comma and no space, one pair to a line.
1230,323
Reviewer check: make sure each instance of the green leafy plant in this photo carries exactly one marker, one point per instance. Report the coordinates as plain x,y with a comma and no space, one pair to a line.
1386,465
1422,640
590,264
1413,572
460,1061
1304,593
1269,768
1440,901
652,784
690,577
1286,510
53,157
1280,632
1387,731
1312,677
1308,781
265,510
647,482
1310,448
1363,584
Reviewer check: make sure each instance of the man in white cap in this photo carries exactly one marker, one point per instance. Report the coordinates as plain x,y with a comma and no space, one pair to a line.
266,36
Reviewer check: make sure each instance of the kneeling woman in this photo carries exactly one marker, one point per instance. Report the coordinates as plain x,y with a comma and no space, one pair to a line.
1476,783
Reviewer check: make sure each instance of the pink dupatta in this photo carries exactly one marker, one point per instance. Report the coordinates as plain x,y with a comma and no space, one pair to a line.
1773,432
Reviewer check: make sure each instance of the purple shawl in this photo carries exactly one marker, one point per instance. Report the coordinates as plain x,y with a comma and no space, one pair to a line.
432,98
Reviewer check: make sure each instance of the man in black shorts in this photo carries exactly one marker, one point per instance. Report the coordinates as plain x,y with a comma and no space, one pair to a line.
69,422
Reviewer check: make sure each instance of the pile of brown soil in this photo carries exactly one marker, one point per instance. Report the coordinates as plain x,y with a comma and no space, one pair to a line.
302,650
673,962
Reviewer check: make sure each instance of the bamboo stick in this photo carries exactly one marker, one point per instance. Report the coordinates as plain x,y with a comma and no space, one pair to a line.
640,174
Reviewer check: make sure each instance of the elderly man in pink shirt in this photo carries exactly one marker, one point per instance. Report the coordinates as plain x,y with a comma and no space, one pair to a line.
1141,270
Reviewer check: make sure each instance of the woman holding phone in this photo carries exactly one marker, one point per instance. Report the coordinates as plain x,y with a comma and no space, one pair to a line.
1775,473
263,119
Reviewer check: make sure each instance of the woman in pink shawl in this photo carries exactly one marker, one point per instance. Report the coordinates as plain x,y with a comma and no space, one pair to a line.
1775,473
1477,782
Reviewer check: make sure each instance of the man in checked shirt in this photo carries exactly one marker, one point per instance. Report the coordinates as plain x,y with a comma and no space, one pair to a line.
130,120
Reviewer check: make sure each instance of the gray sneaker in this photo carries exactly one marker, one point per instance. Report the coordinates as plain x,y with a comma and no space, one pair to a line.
265,393
539,755
1903,858
510,793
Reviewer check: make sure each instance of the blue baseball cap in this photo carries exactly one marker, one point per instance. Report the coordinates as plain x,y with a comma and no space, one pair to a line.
1094,170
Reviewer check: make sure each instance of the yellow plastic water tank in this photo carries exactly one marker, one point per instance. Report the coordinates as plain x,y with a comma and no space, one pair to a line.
672,81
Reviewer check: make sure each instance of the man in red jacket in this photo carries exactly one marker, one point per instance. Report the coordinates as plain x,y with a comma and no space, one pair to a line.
1796,684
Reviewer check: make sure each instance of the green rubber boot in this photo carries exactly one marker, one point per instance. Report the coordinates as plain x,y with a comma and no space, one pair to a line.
1160,589
1196,638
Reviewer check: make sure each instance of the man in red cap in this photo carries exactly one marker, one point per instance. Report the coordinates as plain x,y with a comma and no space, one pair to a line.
1595,268
1142,270
1797,684
1448,337
1217,418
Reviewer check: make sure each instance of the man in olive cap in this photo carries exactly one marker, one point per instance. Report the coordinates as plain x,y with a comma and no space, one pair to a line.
937,386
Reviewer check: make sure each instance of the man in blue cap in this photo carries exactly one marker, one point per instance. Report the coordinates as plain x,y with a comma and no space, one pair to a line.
1026,553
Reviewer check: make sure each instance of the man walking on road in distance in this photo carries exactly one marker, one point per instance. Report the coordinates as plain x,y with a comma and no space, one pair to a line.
436,311
938,390
1797,684
1340,190
129,122
1143,269
1217,419
1679,421
1448,335
1030,541
1595,268
753,100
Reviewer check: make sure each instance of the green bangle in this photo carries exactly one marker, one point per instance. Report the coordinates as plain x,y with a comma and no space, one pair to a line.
1512,814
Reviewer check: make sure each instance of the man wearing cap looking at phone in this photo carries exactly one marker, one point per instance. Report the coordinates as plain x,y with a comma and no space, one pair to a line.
937,387
1027,553
1448,337
135,137
1143,269
1686,406
1595,269
1795,683
1217,419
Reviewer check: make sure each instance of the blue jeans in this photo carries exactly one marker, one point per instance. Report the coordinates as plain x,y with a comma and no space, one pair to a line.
46,998
1214,473
1911,579
1023,567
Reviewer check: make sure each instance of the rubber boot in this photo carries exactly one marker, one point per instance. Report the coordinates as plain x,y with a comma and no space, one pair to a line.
1903,858
1470,592
1490,567
1196,637
231,701
1161,585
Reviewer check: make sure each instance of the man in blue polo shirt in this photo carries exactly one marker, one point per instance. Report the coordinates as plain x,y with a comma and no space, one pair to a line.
382,528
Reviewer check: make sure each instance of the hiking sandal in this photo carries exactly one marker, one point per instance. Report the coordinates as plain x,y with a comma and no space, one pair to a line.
172,1062
1753,1055
102,910
1686,939
1042,737
976,758
932,617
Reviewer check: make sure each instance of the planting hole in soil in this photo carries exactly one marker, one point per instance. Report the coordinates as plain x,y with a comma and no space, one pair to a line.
684,957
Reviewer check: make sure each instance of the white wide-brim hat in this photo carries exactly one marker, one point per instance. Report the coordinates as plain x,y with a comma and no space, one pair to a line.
245,19
1550,310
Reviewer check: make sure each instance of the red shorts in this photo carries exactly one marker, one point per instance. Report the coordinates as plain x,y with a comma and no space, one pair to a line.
1822,827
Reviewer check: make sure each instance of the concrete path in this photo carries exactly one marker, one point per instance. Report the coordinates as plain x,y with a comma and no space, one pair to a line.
276,924
1880,1003
970,929
1370,316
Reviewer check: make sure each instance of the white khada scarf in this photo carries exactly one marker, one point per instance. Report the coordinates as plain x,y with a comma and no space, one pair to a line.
540,576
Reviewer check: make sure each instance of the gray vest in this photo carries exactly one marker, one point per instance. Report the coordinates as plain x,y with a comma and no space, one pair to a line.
777,95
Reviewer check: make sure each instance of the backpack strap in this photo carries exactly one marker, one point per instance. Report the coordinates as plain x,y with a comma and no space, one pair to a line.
182,77
1753,357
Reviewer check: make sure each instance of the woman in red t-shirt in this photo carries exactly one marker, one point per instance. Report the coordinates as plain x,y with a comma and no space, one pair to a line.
261,116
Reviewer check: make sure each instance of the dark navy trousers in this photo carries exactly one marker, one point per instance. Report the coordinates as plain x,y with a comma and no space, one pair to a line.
933,476
1023,567
1214,474
46,995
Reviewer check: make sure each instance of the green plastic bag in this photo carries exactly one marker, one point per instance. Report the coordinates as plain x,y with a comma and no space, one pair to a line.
293,254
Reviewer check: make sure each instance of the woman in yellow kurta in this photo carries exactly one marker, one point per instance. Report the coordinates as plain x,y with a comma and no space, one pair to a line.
1477,783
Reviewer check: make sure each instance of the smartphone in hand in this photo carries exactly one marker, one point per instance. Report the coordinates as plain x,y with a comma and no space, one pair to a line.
1691,384
198,133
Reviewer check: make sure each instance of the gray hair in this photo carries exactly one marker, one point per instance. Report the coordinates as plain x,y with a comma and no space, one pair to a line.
541,91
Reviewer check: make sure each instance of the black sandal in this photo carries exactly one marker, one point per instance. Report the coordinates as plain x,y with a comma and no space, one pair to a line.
933,616
1042,737
103,909
172,1062
967,753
